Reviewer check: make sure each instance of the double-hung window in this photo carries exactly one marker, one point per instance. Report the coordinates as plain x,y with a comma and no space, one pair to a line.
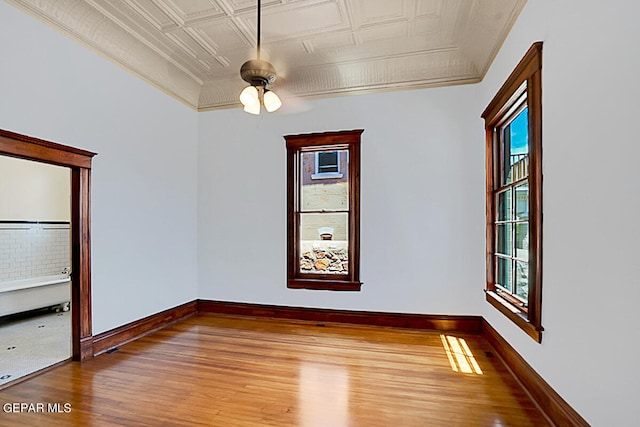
513,125
323,201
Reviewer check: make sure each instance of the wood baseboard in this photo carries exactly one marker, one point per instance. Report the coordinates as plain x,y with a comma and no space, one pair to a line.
559,412
86,349
131,331
459,324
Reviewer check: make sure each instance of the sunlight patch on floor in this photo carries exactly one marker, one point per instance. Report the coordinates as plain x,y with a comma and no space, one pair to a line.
460,356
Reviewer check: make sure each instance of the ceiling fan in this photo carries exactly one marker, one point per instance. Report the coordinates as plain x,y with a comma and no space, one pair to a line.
260,75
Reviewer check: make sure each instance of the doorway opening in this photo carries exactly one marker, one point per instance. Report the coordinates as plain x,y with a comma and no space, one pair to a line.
79,163
35,261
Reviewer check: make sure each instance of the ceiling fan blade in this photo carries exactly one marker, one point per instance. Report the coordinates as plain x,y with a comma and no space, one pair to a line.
291,103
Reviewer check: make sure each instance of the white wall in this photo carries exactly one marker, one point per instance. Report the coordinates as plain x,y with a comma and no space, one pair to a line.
422,212
144,176
422,191
591,196
32,191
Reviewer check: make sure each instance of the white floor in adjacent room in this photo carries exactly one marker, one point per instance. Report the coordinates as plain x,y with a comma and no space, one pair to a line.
29,344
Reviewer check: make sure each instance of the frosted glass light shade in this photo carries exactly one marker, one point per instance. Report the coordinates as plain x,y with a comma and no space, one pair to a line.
249,97
271,101
253,109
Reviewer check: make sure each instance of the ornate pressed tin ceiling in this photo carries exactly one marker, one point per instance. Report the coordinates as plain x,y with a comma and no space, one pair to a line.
193,49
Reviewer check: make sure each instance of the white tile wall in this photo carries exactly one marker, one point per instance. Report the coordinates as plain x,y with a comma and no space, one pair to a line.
33,250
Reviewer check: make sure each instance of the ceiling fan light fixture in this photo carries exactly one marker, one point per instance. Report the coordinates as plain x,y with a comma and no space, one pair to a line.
271,101
252,109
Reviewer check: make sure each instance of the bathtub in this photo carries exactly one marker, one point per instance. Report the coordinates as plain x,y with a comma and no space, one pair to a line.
30,294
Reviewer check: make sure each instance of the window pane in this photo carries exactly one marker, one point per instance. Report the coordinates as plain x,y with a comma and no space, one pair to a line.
522,201
519,140
515,148
522,279
522,241
504,273
324,243
504,244
504,206
319,192
519,128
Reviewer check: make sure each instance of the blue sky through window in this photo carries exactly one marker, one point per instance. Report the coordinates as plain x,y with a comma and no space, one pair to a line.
520,133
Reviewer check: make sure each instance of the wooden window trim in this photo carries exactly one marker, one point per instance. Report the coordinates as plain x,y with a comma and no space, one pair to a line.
296,145
529,71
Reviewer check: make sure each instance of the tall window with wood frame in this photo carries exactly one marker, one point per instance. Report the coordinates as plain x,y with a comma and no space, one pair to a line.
513,125
323,200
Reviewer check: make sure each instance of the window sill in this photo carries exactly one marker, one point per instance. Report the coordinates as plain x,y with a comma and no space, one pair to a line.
324,284
327,175
516,315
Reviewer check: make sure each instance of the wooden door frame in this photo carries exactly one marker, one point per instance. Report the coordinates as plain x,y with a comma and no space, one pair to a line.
79,161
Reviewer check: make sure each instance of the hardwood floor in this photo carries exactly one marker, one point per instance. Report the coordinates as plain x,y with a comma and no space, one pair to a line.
220,370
